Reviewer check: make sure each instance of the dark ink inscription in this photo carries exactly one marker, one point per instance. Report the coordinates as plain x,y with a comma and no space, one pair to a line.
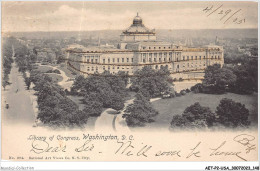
246,141
219,152
40,146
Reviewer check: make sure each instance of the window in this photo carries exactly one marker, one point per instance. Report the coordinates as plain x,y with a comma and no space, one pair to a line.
184,58
191,57
103,60
108,60
108,67
154,60
159,47
149,47
169,59
196,58
150,59
211,57
127,59
154,47
113,60
160,60
164,47
88,60
91,60
132,59
122,59
96,60
165,54
117,59
164,59
143,60
117,67
200,57
104,68
218,57
188,57
204,57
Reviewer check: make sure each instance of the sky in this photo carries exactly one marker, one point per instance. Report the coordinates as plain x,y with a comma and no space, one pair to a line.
111,15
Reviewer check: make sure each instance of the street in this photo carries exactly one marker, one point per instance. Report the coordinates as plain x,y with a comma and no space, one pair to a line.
20,105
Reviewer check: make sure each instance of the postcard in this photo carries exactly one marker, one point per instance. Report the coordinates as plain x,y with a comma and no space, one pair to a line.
129,81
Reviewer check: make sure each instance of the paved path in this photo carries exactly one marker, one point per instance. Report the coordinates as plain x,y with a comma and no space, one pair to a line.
64,83
21,108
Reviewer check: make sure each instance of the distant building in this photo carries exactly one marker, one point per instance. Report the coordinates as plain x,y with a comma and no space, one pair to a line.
137,48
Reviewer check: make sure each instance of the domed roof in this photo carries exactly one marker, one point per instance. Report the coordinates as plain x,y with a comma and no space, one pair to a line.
137,27
137,20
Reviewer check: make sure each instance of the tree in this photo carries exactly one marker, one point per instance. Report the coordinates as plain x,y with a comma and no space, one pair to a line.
5,83
140,112
217,79
93,108
117,103
232,114
197,112
28,82
153,81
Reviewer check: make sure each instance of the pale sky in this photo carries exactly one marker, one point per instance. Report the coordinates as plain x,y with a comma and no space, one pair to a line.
76,16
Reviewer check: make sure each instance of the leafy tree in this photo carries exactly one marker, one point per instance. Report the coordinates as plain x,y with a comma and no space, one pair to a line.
217,79
198,112
93,108
232,114
117,102
152,81
140,112
28,82
194,117
247,78
107,87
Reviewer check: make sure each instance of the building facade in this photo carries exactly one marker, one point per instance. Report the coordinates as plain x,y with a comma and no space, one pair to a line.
137,48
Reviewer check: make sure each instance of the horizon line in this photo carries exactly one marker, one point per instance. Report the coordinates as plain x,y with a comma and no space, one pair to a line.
121,30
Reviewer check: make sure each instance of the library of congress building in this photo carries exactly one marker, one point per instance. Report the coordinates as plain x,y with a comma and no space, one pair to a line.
137,48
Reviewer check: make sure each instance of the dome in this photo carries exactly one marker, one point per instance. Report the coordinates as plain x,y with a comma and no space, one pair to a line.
137,20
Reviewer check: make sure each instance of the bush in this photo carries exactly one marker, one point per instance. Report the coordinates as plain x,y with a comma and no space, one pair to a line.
180,79
183,92
173,94
188,90
198,88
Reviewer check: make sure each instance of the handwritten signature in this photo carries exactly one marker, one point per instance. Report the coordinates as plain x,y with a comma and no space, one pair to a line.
130,148
224,15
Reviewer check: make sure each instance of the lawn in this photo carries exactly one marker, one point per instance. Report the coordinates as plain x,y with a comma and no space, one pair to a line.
43,68
169,107
55,77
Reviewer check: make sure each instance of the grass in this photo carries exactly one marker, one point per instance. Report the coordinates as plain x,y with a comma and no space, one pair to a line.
169,107
44,69
55,77
67,72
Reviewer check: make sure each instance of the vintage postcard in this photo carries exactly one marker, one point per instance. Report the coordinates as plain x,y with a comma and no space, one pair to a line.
129,81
